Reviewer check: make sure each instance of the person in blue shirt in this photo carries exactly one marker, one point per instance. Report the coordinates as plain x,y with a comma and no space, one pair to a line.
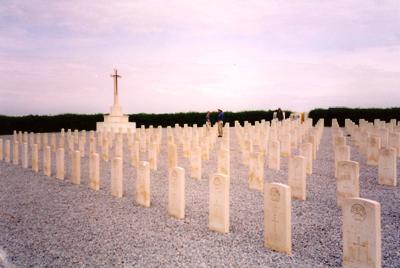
220,122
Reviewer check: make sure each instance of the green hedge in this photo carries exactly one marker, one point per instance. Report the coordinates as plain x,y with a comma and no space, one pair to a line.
46,123
355,114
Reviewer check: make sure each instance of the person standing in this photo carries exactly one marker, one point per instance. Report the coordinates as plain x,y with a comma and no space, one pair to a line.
279,114
220,122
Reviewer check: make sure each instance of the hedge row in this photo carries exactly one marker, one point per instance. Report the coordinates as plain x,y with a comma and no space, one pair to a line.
44,123
355,114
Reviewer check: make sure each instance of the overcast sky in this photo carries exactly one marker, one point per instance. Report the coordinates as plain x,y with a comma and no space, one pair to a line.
188,55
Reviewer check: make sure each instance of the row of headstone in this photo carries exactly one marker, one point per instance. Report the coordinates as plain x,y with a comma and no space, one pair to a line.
277,198
361,217
380,144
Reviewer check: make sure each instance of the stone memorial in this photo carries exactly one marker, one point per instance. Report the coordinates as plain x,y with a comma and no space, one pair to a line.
94,171
274,155
116,120
76,167
7,151
218,217
306,151
285,145
205,150
342,153
373,146
135,154
361,233
81,146
312,139
394,141
143,184
105,150
172,156
153,155
47,160
256,171
176,193
387,167
60,163
277,218
35,158
348,181
297,177
116,177
16,153
24,158
223,162
247,149
195,163
53,142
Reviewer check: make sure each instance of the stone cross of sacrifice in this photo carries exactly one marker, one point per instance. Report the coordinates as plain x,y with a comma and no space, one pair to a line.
115,76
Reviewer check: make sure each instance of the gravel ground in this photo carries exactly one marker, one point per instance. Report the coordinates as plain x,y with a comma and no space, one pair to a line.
48,222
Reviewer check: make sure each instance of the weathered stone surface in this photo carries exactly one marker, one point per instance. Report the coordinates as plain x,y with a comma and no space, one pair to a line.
7,151
342,153
76,167
172,156
143,184
35,158
105,149
256,171
47,160
135,154
274,156
223,162
247,149
153,155
116,177
94,171
373,146
361,233
60,164
218,218
306,151
24,157
348,181
387,167
176,193
195,163
277,218
394,141
285,145
297,177
16,153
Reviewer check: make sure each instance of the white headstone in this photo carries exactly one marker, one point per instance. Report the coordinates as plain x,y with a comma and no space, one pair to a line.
176,193
277,218
60,164
256,171
116,177
218,218
348,181
361,233
94,171
387,167
76,168
297,177
143,184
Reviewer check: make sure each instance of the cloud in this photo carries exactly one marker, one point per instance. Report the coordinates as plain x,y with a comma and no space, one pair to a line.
56,56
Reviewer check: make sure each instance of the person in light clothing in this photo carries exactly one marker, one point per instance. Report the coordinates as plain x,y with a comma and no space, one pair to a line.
220,122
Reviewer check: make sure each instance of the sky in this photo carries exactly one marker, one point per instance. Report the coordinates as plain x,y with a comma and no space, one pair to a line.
179,55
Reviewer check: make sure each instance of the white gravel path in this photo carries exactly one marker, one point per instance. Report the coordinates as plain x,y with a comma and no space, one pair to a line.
48,222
